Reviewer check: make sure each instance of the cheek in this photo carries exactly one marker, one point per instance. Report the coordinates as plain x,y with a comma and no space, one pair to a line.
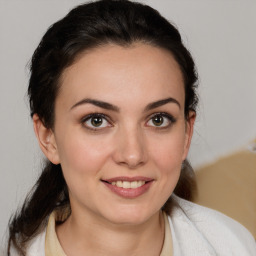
82,161
168,157
83,155
169,152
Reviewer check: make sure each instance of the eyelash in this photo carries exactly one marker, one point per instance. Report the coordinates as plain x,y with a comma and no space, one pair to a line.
169,117
95,115
171,120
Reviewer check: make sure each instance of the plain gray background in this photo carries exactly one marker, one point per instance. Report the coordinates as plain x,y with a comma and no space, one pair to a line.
221,35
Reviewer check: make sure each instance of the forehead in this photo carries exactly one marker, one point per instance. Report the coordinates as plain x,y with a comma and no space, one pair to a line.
113,72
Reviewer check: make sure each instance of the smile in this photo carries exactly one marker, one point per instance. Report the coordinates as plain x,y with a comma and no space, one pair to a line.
127,184
128,187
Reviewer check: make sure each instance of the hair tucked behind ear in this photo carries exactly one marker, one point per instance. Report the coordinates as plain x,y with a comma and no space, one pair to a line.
89,26
49,192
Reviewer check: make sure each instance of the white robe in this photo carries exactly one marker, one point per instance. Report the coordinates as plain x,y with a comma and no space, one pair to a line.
196,231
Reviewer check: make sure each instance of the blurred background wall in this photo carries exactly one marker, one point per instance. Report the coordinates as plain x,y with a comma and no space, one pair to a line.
221,36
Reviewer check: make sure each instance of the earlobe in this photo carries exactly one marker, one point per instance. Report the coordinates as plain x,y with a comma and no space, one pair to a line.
189,132
46,140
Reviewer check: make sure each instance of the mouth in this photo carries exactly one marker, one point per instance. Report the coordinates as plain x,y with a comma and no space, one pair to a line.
128,187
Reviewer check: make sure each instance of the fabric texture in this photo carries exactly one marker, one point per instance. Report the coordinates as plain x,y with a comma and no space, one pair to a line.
36,246
52,245
195,231
200,231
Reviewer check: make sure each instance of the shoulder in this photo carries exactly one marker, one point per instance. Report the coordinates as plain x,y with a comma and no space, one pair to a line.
222,234
36,246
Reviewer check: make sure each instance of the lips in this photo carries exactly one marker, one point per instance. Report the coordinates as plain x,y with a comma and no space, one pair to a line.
123,178
128,187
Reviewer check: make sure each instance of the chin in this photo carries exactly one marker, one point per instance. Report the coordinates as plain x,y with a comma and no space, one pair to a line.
129,215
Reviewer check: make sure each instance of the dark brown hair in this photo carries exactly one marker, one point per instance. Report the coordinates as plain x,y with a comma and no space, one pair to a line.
86,27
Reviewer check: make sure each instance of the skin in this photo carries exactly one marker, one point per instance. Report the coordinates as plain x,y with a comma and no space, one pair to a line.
127,144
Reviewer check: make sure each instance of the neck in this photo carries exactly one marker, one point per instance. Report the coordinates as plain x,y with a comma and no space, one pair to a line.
97,237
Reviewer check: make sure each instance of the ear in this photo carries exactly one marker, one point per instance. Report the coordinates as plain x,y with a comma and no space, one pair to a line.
46,140
189,132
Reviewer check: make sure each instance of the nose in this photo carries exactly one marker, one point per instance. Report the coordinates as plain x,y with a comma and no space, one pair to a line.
130,148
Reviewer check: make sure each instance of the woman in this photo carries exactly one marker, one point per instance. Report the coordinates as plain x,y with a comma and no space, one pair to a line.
113,99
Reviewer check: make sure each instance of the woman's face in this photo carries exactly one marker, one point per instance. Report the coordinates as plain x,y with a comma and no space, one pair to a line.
120,133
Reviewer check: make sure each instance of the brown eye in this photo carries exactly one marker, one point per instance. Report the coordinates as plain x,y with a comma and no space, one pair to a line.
96,121
161,120
158,120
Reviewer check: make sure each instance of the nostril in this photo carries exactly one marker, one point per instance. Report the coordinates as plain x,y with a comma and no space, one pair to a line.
130,151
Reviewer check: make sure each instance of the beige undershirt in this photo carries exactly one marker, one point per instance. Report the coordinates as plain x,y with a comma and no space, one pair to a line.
53,247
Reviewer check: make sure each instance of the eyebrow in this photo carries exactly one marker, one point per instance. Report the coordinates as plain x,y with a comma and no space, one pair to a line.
97,103
160,103
109,106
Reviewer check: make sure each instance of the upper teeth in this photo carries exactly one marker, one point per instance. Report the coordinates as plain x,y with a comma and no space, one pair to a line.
128,184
